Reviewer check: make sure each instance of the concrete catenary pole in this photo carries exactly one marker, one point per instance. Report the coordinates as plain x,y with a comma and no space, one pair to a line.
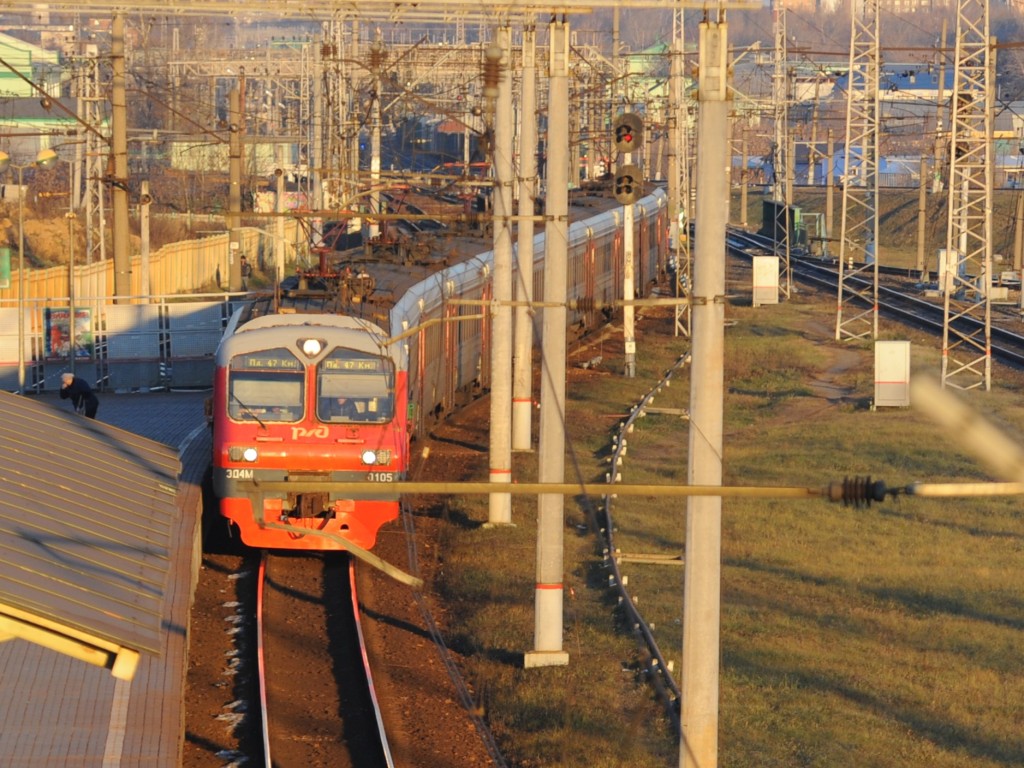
234,190
315,136
377,64
549,591
500,512
702,574
830,187
119,147
279,243
522,355
922,216
743,181
939,147
628,287
812,149
144,202
675,99
71,281
1018,232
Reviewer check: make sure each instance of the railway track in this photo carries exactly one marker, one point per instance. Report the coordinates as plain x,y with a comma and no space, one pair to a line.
307,728
325,711
900,297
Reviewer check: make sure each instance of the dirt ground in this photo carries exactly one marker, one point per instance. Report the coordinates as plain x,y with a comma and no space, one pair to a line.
46,240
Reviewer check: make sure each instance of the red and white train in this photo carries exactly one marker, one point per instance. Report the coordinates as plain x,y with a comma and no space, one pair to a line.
301,398
311,386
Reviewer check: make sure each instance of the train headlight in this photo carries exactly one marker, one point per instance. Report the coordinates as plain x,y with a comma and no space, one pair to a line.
382,456
311,347
238,453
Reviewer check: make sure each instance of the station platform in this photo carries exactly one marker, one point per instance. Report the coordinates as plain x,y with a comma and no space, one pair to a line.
100,521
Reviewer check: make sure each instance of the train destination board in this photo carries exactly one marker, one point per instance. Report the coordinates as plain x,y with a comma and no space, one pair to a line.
371,365
269,360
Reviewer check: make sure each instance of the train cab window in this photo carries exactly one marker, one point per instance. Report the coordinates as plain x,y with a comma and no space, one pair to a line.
266,386
355,386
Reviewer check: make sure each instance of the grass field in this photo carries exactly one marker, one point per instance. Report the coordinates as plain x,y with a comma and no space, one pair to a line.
890,635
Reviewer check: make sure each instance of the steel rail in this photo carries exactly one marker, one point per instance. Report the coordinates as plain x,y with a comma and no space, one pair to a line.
262,668
385,747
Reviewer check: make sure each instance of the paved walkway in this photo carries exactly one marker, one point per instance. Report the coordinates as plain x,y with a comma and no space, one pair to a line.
168,417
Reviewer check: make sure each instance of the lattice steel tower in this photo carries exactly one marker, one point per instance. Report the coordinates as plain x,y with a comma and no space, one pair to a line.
857,305
91,103
966,278
782,190
679,174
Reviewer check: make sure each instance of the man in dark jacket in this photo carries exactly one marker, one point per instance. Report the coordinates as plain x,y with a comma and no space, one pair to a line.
81,394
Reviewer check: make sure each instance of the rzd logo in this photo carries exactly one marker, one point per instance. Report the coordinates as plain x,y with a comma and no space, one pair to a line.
299,432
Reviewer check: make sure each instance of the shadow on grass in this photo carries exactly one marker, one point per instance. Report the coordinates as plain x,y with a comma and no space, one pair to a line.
970,530
915,602
441,508
929,603
956,739
463,645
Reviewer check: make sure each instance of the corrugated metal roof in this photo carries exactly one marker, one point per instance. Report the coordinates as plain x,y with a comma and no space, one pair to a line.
86,515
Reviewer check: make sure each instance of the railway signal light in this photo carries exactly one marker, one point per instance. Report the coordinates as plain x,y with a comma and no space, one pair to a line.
629,184
629,132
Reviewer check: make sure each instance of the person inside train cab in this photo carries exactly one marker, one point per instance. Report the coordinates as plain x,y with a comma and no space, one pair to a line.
82,397
342,408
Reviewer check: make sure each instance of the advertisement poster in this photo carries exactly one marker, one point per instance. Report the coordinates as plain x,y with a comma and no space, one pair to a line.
58,333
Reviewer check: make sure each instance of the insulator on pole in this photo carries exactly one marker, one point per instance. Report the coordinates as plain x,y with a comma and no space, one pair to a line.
492,70
377,55
857,491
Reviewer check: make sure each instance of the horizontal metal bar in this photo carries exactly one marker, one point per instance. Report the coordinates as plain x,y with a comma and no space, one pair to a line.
650,559
440,10
533,489
575,303
833,492
946,490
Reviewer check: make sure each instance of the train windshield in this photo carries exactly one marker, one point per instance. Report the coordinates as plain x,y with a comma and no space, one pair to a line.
355,386
266,386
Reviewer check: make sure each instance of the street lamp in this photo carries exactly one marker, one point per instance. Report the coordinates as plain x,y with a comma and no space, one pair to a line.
45,158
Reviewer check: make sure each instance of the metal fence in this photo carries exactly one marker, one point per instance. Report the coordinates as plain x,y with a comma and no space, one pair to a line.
120,347
166,336
183,267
